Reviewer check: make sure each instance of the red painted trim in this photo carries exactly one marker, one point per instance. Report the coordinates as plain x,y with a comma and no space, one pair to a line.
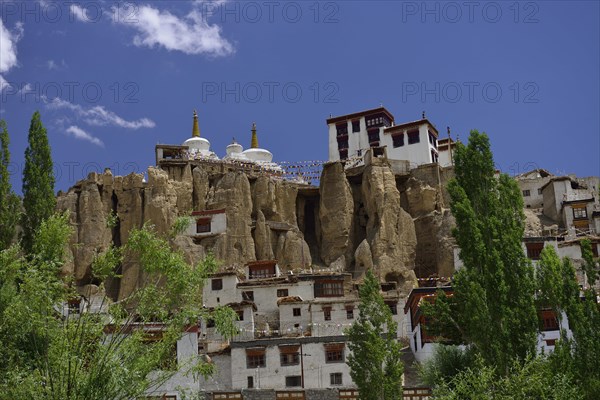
208,212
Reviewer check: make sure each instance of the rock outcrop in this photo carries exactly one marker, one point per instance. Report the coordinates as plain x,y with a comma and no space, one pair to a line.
335,213
372,221
390,229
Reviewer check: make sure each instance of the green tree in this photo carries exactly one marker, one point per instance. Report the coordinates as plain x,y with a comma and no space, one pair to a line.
493,307
38,181
9,201
97,355
532,378
559,289
375,364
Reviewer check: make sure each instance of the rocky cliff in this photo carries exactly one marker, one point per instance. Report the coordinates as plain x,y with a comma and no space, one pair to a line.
397,225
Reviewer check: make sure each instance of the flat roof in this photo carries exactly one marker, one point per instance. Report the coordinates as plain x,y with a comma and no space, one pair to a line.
359,114
411,123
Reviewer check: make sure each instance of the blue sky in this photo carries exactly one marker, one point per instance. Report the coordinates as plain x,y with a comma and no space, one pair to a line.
112,79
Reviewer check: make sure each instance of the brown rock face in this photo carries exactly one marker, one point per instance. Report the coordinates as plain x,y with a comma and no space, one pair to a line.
345,226
435,245
335,213
433,222
390,229
232,193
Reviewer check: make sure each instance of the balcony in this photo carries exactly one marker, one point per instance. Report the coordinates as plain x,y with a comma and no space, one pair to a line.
578,196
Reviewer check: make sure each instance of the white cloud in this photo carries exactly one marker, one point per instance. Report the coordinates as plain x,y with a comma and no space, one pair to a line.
54,65
79,13
8,50
190,35
79,133
98,115
27,88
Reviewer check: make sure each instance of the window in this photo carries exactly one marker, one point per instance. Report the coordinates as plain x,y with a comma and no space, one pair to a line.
261,271
534,250
217,284
296,312
526,193
343,144
432,139
203,225
250,382
334,353
579,213
327,313
393,307
329,289
282,293
335,379
398,140
350,312
248,295
240,314
373,135
210,323
413,137
255,358
356,126
343,154
342,129
539,191
293,381
289,358
550,342
73,305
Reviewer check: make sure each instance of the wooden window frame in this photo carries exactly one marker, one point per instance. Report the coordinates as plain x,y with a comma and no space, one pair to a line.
293,381
336,379
414,137
216,284
398,140
203,225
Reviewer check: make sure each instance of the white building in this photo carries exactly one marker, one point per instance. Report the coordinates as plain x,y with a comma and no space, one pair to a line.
351,135
531,184
573,204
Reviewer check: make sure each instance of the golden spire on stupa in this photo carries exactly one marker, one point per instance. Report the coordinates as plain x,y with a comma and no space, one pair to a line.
195,128
254,142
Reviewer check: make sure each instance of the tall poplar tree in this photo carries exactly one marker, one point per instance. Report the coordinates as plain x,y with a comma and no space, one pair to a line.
375,363
494,294
9,202
38,181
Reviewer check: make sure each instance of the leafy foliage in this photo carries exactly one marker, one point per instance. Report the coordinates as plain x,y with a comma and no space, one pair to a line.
51,354
530,379
446,363
559,289
38,181
375,351
493,306
9,201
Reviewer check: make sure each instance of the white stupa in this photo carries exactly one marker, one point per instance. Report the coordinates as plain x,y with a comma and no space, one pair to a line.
235,152
255,153
198,146
260,156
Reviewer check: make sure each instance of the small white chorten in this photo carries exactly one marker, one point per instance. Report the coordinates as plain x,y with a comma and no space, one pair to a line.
235,152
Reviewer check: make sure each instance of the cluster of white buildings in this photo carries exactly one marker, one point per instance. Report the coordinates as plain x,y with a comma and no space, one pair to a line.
291,330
